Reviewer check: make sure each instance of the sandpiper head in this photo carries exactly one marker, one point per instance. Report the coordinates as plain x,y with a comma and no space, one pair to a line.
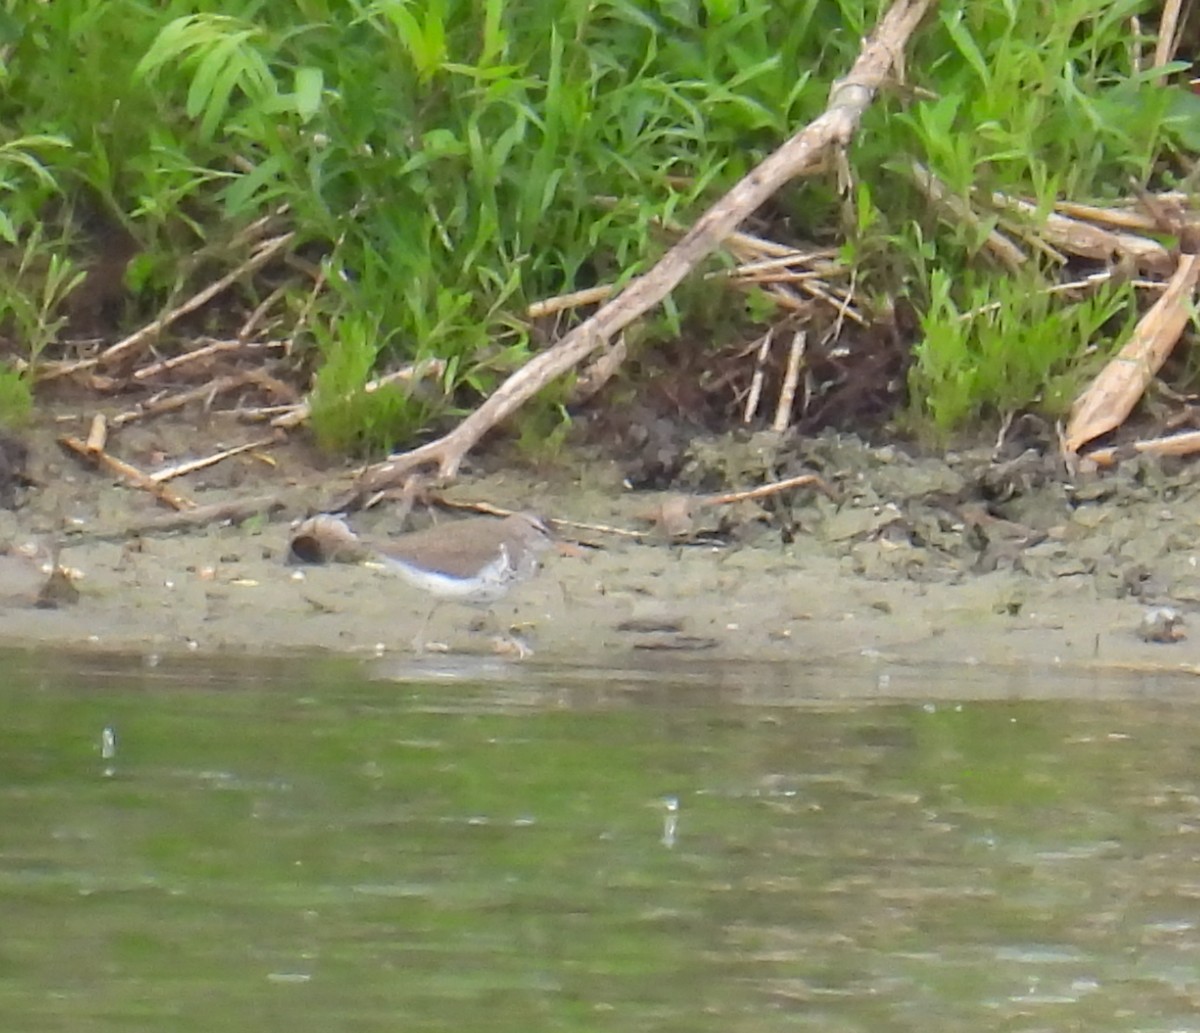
530,530
523,538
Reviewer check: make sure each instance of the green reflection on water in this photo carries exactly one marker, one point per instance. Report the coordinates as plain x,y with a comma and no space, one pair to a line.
300,848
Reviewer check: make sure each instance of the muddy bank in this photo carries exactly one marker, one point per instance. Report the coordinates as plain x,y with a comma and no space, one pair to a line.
966,558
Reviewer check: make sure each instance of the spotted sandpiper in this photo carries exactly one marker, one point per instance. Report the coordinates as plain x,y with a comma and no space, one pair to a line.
476,560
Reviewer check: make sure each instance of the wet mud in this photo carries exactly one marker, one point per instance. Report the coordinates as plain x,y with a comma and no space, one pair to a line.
967,557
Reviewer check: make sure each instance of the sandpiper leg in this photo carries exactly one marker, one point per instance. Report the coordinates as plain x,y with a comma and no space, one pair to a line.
418,641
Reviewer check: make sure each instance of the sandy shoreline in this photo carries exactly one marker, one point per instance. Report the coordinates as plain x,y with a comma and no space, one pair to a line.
831,597
229,590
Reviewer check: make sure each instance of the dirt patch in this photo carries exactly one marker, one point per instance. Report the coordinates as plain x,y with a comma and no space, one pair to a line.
955,558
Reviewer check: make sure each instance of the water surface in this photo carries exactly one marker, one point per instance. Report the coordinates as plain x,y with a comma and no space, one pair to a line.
305,846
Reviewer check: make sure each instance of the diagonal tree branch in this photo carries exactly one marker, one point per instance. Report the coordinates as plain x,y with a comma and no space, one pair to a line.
834,128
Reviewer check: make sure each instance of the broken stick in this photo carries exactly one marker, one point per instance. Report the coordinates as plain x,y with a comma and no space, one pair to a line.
131,475
192,465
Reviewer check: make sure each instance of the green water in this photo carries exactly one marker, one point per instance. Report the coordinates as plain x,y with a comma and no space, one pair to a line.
300,847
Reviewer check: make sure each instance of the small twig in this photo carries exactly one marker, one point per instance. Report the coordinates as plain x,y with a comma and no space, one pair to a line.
130,474
952,205
786,276
311,301
260,311
756,381
253,231
1088,241
97,434
817,263
273,385
749,272
1117,218
599,372
583,525
1168,36
803,480
1185,444
173,402
1005,425
787,391
835,331
192,465
323,272
742,243
575,299
778,267
762,491
487,509
830,297
257,413
787,298
204,352
425,369
1088,283
136,341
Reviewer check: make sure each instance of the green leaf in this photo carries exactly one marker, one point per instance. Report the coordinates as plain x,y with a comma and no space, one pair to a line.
967,46
242,195
310,85
1183,119
215,64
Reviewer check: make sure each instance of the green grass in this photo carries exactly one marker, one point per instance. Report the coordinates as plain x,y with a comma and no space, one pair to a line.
450,161
1015,346
34,284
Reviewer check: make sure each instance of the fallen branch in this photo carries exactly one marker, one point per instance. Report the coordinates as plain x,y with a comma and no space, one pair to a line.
1116,390
849,98
131,475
